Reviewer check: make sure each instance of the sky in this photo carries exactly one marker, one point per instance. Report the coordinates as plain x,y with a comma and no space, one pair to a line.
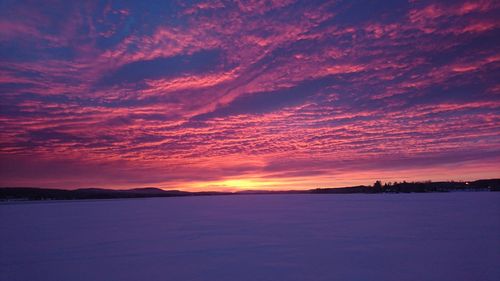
232,95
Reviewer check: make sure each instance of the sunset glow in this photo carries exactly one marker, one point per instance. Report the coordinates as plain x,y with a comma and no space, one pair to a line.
238,95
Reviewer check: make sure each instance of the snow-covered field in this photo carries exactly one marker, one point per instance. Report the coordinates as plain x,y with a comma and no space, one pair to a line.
448,236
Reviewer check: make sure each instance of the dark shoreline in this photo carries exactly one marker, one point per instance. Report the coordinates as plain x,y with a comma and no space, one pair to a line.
38,194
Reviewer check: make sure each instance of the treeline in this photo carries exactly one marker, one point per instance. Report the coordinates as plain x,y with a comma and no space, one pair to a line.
409,187
27,193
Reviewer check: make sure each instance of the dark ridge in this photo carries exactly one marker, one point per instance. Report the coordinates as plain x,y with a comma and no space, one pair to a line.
29,193
32,193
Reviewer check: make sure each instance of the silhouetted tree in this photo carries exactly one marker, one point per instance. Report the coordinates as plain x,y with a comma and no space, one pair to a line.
377,186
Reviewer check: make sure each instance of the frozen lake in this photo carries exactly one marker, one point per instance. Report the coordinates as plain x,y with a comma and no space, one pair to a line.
433,236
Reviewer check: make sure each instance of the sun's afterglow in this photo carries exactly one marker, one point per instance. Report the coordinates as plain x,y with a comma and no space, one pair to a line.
239,184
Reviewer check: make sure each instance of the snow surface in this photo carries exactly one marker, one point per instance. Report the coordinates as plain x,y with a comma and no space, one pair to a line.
433,236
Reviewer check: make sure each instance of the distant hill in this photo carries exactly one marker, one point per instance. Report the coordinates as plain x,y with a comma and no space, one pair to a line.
30,193
33,193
